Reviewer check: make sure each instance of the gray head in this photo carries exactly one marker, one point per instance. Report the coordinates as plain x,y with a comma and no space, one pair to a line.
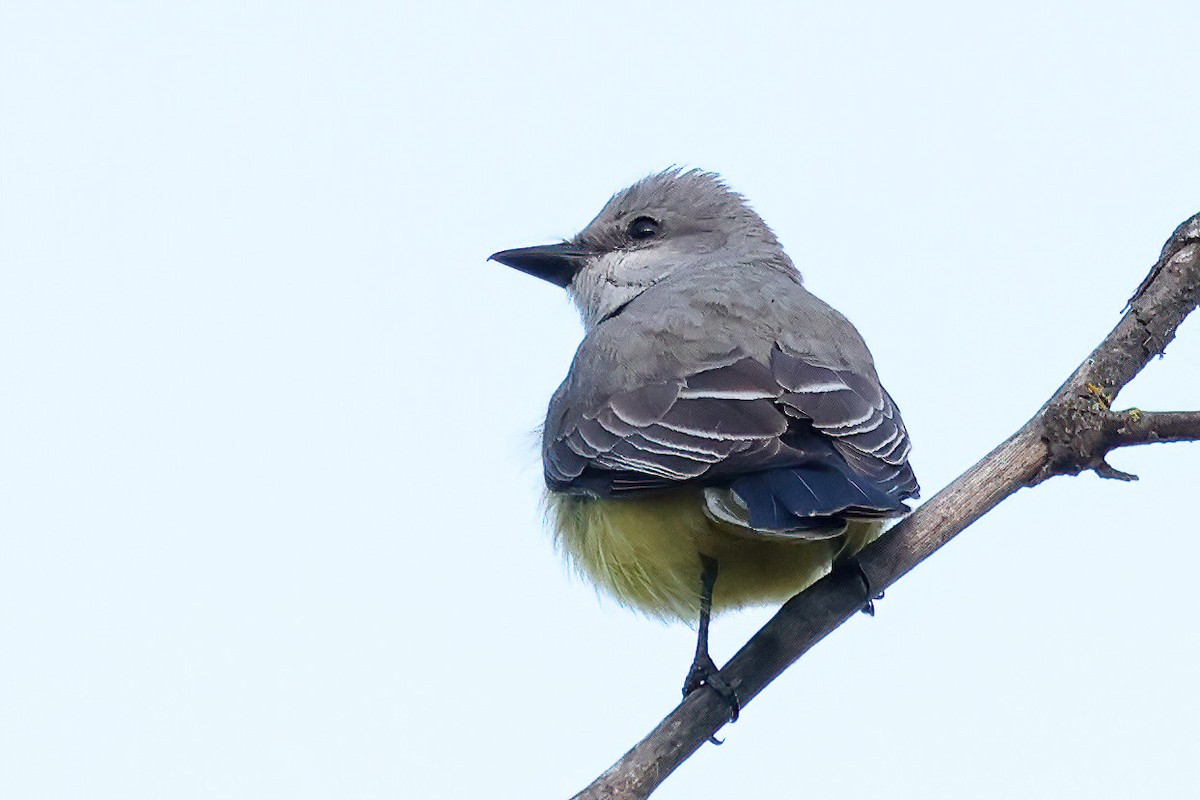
675,220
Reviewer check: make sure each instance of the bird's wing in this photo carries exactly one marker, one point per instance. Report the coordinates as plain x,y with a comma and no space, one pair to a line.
666,432
800,438
854,412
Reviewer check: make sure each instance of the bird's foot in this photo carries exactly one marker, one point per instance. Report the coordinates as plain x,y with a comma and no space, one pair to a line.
704,672
856,567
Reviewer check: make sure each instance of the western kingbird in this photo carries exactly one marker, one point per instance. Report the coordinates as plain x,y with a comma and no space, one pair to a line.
722,436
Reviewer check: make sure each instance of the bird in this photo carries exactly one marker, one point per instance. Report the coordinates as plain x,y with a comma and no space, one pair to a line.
722,438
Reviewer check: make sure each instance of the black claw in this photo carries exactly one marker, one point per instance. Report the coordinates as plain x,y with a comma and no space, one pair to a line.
869,606
703,673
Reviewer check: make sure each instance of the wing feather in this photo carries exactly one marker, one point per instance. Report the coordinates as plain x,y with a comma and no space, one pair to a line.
799,442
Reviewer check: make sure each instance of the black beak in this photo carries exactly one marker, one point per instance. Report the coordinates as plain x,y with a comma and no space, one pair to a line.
556,263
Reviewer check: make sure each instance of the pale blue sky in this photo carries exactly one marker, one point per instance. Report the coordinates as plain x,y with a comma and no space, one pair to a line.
269,521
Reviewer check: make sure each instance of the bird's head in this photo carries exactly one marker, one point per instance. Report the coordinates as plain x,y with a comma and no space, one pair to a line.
672,221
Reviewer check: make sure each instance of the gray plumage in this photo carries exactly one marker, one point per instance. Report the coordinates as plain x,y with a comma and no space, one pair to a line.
706,362
717,418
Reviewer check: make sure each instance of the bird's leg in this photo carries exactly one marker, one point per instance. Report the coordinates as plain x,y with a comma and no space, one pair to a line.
704,671
856,567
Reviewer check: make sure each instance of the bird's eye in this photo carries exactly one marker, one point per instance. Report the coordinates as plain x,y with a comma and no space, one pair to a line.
643,228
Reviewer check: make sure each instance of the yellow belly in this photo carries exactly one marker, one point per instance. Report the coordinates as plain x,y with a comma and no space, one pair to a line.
646,552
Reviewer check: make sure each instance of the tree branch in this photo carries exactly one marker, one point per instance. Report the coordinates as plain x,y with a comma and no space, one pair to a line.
1134,427
1073,432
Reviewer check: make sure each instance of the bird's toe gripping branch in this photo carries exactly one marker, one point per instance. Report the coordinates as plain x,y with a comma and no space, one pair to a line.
704,672
854,566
